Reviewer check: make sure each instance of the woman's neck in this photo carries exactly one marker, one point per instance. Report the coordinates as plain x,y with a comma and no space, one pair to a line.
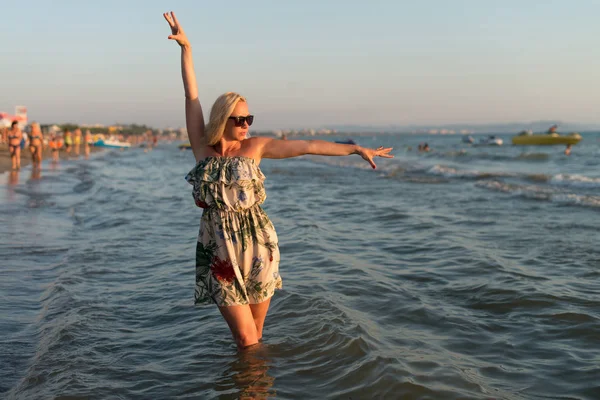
225,148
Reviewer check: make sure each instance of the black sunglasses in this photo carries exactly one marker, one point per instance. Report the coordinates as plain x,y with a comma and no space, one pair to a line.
239,121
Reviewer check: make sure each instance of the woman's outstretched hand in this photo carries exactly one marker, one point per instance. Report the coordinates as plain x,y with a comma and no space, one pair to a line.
177,32
368,154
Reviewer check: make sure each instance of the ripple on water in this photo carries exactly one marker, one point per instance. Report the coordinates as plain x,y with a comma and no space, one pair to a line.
393,287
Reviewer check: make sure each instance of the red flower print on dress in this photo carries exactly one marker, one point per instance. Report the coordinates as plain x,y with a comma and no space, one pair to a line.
200,203
223,270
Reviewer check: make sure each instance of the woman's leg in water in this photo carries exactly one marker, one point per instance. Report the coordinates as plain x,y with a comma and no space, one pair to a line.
246,322
259,313
241,323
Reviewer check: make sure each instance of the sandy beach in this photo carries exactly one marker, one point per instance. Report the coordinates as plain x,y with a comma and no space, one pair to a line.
5,163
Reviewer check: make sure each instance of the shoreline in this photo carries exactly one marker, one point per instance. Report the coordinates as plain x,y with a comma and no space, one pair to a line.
5,162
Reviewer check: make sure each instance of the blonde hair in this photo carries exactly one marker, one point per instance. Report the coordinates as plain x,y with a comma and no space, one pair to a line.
219,113
35,127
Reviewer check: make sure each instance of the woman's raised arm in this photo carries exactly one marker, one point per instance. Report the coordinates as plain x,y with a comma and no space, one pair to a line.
194,119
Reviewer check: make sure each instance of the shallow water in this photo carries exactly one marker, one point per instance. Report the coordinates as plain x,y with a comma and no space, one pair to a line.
463,273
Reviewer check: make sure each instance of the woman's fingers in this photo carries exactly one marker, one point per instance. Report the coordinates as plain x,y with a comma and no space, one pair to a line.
381,152
173,23
174,18
168,18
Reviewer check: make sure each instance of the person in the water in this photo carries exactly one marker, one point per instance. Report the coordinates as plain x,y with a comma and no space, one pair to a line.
55,144
68,141
36,145
15,136
87,142
237,252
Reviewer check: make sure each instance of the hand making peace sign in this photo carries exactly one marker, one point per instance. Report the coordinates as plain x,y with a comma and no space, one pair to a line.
177,32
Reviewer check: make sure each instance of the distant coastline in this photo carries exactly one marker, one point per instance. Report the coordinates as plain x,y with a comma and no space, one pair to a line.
512,127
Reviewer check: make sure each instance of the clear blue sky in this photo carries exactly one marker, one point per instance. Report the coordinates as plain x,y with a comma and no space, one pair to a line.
306,63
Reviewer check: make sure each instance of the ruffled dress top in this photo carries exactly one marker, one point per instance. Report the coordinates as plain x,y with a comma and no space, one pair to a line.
237,255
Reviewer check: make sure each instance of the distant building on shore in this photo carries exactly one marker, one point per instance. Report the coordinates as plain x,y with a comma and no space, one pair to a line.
20,115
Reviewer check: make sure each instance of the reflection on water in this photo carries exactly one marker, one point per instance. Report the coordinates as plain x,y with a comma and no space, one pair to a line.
13,180
13,177
249,375
36,174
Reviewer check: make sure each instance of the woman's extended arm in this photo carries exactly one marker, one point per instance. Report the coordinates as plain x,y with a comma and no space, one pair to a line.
273,148
194,118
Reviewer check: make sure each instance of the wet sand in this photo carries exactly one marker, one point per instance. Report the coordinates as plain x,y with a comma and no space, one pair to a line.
5,163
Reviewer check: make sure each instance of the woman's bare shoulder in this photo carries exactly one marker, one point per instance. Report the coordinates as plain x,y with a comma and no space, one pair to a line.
204,151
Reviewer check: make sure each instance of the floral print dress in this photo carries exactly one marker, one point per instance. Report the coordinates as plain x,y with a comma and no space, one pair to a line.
237,255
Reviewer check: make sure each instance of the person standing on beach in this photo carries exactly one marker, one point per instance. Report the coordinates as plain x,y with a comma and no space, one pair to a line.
15,136
55,144
237,252
36,145
77,141
88,141
68,140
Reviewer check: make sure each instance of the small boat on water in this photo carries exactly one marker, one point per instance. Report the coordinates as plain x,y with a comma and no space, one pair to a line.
490,141
185,146
113,144
468,139
528,138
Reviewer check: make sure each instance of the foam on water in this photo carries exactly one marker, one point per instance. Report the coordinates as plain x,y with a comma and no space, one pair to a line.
576,181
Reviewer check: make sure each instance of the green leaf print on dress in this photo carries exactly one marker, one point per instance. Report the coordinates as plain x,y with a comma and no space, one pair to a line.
237,255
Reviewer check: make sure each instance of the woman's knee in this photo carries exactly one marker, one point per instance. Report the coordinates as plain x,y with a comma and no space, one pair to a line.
246,338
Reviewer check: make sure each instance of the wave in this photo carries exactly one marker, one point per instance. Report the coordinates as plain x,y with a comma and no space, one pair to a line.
537,177
575,180
464,155
577,199
546,187
541,193
566,180
532,157
450,172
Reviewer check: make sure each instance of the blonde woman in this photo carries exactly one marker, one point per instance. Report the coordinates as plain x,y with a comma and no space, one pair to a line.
36,145
237,254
